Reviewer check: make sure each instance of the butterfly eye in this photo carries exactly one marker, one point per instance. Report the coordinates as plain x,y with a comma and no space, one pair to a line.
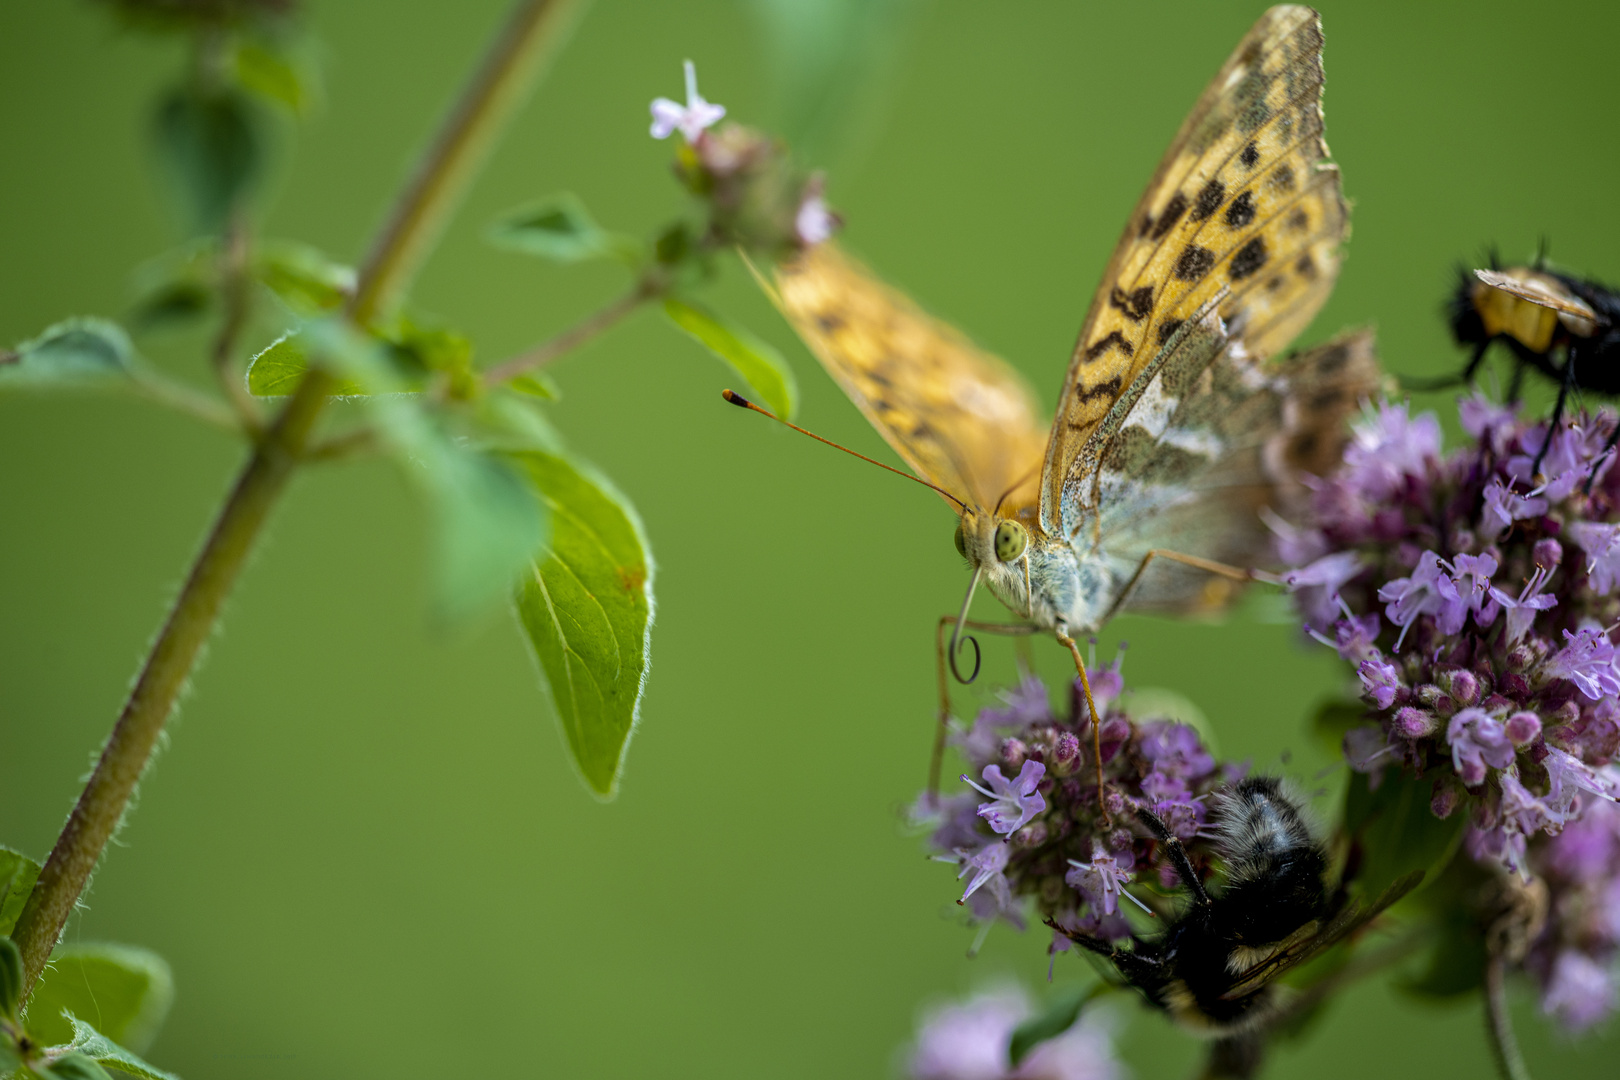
1011,540
961,545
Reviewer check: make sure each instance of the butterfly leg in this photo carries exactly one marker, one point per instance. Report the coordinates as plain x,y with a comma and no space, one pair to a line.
937,761
1096,721
1209,565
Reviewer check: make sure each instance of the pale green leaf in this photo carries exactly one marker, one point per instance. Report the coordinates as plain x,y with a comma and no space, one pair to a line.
275,75
107,1053
761,366
17,876
303,278
537,384
560,229
73,353
127,992
586,606
71,1065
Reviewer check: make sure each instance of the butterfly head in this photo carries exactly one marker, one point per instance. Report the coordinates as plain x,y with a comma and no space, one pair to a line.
985,538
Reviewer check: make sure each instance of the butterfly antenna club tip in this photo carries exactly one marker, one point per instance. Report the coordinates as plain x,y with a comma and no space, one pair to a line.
737,399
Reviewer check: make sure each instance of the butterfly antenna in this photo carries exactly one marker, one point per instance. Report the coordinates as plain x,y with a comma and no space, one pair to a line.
743,403
1005,495
958,639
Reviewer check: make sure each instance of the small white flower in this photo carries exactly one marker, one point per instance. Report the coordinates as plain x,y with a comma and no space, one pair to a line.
690,119
814,222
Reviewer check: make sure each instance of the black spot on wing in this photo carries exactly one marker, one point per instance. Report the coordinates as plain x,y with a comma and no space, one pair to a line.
1250,156
1299,220
1305,266
1250,257
1172,214
1108,389
1282,178
1168,328
1194,263
1113,338
1241,212
1210,197
1136,305
829,321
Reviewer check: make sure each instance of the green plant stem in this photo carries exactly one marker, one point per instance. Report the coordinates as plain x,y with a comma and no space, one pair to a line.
172,394
508,68
236,299
575,336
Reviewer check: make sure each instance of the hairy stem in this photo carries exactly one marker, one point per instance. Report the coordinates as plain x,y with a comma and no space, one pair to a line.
1499,1025
574,336
433,191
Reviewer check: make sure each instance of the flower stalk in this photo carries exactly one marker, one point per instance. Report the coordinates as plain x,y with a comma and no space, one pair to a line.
508,70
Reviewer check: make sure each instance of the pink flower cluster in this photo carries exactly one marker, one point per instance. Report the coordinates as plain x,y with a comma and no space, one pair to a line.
1029,829
1477,603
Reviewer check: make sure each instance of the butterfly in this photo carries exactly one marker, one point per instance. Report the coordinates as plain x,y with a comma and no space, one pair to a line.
1173,433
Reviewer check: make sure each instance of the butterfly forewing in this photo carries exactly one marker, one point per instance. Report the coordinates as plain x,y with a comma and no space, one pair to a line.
960,417
1244,211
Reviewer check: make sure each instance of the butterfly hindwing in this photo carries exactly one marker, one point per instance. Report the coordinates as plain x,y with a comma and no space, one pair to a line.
1245,210
960,417
1210,437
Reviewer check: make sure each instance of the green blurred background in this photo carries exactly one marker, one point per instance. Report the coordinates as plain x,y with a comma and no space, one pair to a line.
364,851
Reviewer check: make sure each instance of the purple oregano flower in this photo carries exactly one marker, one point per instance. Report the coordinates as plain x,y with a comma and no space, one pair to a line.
1479,606
1040,840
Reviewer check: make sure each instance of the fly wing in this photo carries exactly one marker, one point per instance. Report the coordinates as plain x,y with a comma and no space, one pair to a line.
960,417
1211,438
1245,207
1352,918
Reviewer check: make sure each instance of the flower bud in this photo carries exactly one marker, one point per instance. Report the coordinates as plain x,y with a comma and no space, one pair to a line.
1014,752
1413,723
1462,686
1114,802
1547,553
1523,727
1520,658
1121,840
1513,686
1065,754
1429,694
1446,798
1032,835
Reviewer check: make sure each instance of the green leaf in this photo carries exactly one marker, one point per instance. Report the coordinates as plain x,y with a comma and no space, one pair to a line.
560,229
401,360
126,990
1059,1016
9,1057
11,978
303,278
538,384
277,371
1333,720
761,366
17,876
1396,830
73,353
212,146
72,1066
176,287
276,76
103,1051
587,609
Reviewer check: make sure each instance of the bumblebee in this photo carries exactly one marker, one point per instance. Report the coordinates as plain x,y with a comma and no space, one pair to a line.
1214,967
1564,327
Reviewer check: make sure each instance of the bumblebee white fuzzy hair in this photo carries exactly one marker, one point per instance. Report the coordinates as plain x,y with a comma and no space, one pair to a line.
1260,821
